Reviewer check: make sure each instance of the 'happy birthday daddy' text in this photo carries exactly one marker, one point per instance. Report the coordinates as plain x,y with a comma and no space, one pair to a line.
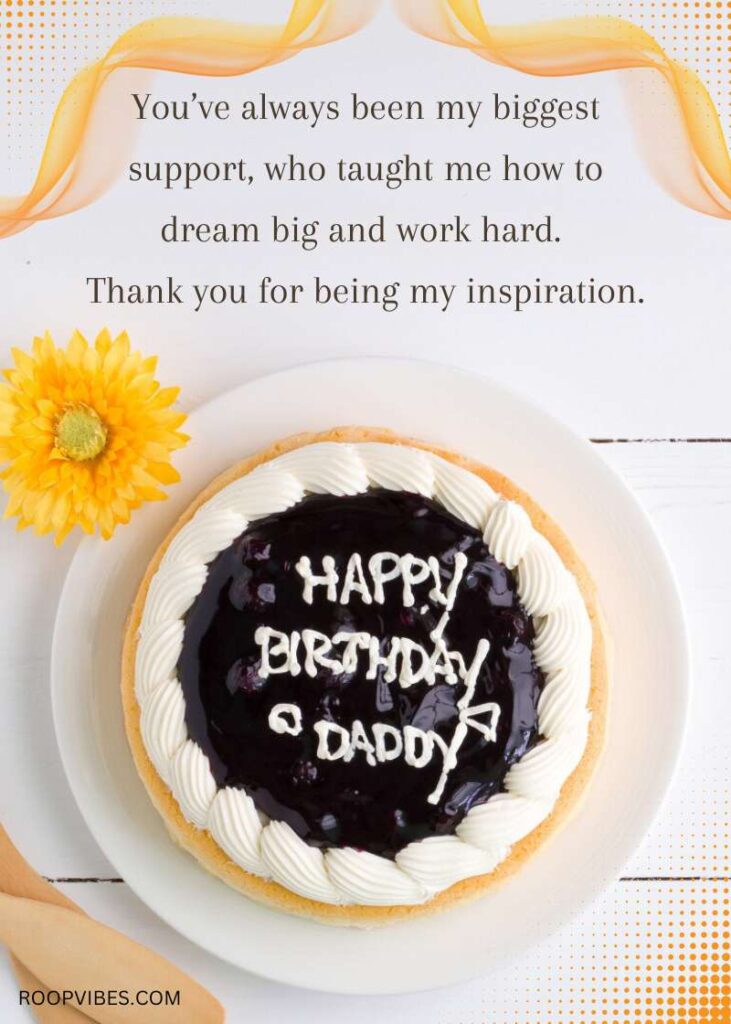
399,658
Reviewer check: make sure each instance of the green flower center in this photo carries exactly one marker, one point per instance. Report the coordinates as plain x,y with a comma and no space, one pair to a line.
80,434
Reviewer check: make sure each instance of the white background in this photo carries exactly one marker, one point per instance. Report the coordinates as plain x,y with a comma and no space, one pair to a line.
647,373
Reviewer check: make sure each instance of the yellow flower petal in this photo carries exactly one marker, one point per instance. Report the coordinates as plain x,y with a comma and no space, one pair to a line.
76,349
164,472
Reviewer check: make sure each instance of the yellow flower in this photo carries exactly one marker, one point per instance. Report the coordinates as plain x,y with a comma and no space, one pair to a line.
86,435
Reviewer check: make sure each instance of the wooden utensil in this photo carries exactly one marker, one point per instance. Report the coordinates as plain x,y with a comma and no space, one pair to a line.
18,878
46,1013
68,950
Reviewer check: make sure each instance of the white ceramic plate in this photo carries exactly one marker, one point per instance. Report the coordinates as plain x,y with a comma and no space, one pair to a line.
648,705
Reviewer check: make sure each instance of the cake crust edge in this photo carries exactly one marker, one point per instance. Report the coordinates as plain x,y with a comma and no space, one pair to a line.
200,843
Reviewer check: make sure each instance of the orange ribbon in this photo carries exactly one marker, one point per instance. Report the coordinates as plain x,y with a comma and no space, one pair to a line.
582,45
197,46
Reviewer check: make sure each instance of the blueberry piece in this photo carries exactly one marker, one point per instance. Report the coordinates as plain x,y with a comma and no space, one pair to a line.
240,591
258,549
304,773
245,677
407,618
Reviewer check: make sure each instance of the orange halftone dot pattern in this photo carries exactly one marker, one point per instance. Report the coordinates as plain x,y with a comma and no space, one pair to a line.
44,43
690,839
680,943
648,952
697,32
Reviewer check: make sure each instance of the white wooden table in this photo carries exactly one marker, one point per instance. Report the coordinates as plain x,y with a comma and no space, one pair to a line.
623,377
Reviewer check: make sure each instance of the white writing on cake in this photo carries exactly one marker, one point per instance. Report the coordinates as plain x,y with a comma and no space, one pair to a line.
385,742
400,659
383,567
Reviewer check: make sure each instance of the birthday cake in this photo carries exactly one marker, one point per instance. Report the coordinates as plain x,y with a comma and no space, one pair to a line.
363,678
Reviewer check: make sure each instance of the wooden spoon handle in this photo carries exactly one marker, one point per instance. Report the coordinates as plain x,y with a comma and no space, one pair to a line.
67,950
45,1013
17,877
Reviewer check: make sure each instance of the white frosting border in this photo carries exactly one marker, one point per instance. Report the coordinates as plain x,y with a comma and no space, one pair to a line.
271,849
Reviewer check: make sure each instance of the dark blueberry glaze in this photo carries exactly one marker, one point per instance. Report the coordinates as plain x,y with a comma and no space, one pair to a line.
254,583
